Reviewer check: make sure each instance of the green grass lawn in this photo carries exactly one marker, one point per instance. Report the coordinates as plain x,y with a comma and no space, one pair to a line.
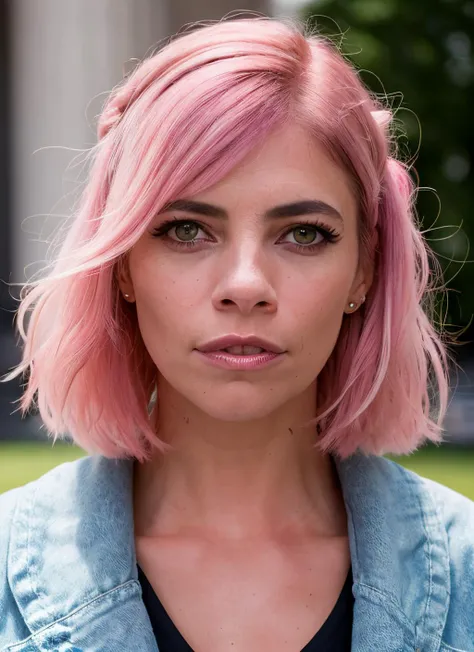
22,462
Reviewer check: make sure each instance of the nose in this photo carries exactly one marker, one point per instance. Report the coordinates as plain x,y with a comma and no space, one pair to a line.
244,284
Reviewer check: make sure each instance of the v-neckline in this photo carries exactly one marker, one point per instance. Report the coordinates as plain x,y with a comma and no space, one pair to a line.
342,609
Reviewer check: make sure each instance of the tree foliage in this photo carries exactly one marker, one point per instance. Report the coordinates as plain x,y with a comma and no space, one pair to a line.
419,56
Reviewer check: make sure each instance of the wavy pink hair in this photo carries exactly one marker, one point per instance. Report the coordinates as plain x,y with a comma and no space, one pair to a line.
178,124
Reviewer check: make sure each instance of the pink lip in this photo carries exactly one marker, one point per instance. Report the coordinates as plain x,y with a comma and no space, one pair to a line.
220,343
240,362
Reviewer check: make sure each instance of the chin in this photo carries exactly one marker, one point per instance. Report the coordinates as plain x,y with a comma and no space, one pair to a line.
241,408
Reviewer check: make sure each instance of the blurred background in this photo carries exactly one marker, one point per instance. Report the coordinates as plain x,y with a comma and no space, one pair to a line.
58,60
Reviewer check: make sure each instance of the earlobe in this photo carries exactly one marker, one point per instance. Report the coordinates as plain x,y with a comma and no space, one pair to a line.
354,305
128,296
361,287
124,281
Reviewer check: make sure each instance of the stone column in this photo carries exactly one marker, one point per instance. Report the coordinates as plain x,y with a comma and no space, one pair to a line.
65,56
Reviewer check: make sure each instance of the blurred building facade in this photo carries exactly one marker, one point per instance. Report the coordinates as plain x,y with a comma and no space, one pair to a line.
58,60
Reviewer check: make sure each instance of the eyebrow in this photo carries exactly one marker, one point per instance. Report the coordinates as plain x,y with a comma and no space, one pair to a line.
304,207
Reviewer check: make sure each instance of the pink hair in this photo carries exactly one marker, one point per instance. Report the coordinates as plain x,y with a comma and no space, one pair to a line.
178,124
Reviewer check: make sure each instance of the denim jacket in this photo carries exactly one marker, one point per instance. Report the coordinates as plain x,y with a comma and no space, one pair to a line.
68,578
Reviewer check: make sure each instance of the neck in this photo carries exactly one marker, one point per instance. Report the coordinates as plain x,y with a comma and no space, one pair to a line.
234,480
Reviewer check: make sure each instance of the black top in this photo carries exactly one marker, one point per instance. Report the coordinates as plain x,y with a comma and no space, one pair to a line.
334,635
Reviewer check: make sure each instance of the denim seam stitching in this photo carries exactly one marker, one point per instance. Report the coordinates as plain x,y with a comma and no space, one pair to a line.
393,601
14,516
452,649
439,523
41,631
28,558
427,550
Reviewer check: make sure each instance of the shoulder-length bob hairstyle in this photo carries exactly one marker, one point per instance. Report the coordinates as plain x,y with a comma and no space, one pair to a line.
184,118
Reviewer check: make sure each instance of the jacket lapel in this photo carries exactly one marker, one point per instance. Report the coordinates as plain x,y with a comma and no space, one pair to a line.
399,553
72,560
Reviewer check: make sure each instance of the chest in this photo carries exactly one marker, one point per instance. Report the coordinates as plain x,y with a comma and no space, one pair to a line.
245,596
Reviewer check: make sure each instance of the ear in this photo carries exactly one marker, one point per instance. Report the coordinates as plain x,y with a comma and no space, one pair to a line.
124,280
362,283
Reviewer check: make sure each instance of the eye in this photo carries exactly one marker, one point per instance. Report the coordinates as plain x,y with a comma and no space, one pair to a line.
180,232
308,237
186,231
305,234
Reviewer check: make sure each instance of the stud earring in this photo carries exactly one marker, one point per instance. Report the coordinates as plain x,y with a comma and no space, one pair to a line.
127,296
353,305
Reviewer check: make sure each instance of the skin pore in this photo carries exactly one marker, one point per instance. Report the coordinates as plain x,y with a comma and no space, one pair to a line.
241,528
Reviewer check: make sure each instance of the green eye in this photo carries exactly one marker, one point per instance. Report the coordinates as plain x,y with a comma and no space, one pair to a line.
304,234
186,231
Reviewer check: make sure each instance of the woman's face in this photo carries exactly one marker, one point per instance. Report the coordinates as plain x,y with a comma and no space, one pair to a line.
269,251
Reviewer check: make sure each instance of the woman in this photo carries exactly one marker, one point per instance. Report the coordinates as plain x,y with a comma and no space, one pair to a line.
236,329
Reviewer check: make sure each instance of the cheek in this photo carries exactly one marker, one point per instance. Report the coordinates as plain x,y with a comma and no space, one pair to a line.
161,316
165,299
162,283
314,307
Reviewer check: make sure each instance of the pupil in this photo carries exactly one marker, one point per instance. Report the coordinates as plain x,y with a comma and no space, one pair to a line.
305,234
186,231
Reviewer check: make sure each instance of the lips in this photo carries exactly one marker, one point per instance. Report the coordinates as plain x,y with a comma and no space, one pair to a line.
243,350
240,345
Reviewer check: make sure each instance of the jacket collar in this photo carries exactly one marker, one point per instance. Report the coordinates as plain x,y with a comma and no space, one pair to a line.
400,557
72,556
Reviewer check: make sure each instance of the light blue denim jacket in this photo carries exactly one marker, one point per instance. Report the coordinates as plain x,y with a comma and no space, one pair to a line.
68,579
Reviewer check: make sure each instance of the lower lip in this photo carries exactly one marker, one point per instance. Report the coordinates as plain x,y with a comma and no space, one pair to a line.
226,360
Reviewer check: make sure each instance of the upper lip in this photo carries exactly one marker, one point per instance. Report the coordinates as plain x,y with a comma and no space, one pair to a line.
238,340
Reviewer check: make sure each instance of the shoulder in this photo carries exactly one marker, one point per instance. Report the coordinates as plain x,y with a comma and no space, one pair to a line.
49,490
69,490
451,515
443,506
16,508
68,526
453,510
412,539
12,625
8,502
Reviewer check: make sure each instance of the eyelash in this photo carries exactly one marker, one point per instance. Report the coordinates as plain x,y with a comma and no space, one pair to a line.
329,234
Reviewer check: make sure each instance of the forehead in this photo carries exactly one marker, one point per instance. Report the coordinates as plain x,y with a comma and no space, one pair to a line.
289,165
